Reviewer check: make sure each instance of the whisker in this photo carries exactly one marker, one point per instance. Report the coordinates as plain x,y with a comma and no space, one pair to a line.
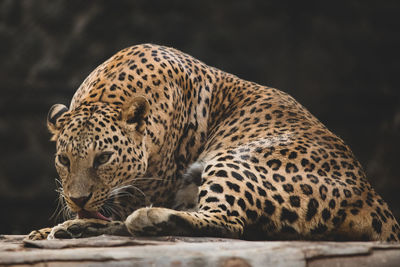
116,191
60,209
136,188
136,179
111,208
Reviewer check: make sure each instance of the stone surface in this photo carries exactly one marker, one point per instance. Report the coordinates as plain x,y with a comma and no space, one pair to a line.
188,251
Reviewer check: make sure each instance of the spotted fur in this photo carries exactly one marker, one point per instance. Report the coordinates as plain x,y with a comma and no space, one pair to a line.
171,146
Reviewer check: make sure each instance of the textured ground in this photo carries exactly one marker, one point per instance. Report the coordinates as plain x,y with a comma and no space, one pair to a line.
185,251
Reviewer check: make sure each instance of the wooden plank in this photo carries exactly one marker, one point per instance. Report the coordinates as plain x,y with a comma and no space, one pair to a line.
189,251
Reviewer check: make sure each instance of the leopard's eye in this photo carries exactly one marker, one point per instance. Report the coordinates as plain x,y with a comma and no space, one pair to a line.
102,159
64,160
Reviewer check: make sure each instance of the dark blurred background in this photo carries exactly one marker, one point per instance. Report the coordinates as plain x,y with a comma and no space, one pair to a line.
338,58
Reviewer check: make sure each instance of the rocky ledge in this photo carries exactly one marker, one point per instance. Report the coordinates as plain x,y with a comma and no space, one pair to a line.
187,251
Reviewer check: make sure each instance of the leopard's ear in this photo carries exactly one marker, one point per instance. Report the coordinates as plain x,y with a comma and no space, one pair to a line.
134,113
53,122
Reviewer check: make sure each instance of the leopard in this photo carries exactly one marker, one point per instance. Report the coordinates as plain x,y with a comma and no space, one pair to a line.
157,143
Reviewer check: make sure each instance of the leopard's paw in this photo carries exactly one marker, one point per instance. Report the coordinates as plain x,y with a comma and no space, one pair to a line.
79,228
150,221
40,234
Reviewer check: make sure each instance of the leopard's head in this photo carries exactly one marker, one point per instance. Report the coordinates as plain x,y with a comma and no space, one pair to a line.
101,150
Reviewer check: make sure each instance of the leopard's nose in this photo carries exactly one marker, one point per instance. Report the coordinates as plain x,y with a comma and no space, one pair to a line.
81,201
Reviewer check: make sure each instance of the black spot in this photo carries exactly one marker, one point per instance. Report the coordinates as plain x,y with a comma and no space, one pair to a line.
254,160
244,157
341,216
212,199
321,172
347,193
377,225
304,162
307,189
233,166
292,155
269,207
378,210
249,197
301,149
278,198
312,209
274,164
322,191
335,192
326,214
232,213
354,211
284,151
369,202
222,206
351,182
230,199
388,214
269,186
242,204
237,176
233,186
278,178
291,168
203,193
288,215
261,191
288,188
326,166
228,164
356,191
297,178
250,186
258,204
221,173
247,166
208,168
313,178
250,175
216,188
332,204
294,201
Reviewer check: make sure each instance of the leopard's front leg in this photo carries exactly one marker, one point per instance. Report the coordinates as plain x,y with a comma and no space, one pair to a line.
147,222
163,221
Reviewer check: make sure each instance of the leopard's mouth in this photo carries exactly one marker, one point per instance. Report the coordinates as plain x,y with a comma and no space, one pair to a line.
84,214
